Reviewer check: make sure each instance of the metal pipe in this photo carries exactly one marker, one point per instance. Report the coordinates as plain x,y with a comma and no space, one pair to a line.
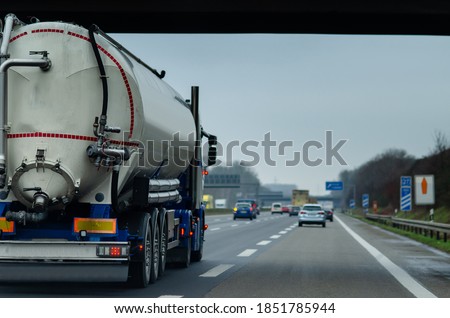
156,185
44,63
9,23
10,20
161,197
22,217
195,166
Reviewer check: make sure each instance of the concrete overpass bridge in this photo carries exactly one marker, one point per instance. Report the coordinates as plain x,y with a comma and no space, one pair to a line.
244,16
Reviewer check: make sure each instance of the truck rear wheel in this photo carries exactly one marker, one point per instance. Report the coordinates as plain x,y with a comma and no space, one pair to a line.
154,258
140,270
186,261
163,249
196,256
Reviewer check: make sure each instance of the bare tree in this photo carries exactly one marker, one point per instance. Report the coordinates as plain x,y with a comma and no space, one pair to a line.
440,142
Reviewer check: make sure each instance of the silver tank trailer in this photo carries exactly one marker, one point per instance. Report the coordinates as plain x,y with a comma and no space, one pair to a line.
51,114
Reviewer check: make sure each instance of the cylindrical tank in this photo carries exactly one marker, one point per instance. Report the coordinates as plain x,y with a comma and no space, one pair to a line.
51,115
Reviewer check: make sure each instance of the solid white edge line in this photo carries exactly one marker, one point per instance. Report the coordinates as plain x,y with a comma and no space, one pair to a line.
400,274
216,271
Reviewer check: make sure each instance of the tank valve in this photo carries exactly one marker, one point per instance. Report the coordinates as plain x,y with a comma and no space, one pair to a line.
40,202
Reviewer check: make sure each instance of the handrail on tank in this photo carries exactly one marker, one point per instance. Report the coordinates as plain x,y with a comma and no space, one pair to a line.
121,48
44,63
10,21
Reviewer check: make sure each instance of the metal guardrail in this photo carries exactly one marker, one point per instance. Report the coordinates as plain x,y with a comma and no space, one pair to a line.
428,228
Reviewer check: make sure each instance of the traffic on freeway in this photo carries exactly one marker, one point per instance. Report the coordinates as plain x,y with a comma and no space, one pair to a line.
222,166
273,257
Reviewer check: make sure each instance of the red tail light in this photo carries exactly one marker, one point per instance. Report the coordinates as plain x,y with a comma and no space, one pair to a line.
303,212
321,213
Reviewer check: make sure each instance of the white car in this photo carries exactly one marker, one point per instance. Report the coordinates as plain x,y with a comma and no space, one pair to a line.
276,208
312,214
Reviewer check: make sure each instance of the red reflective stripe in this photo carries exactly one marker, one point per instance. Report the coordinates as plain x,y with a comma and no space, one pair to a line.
68,136
47,30
17,36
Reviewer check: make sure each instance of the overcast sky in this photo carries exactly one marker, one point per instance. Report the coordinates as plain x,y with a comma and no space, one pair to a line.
376,92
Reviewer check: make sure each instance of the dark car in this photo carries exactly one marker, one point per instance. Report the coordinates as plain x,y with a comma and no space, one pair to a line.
329,214
252,202
295,209
244,210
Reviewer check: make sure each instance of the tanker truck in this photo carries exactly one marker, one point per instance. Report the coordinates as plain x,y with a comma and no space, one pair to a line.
101,164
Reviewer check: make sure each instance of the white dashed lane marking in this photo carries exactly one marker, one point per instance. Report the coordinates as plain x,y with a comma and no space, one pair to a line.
247,252
264,243
216,271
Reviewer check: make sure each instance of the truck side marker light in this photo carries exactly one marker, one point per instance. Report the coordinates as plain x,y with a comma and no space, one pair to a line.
6,226
205,227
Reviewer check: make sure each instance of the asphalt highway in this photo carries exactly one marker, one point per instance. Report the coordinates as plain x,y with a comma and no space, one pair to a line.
272,257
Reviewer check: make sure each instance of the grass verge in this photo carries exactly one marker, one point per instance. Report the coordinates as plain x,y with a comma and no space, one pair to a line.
433,242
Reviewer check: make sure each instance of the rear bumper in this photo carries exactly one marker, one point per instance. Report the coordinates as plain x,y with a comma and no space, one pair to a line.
312,220
40,261
243,215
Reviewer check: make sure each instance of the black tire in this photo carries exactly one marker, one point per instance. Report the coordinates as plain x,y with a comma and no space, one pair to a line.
324,224
155,254
196,256
187,255
331,220
163,248
140,270
300,224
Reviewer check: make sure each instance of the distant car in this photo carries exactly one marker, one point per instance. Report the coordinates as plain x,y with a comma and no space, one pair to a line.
329,214
294,210
312,214
276,208
285,209
252,202
244,210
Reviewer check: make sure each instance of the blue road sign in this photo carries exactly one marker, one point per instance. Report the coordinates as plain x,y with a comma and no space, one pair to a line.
334,185
405,193
352,204
405,181
365,200
406,199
